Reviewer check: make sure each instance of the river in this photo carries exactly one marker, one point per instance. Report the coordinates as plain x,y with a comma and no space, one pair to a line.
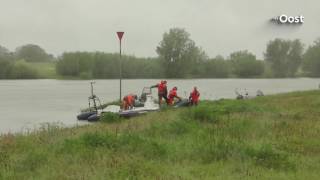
26,104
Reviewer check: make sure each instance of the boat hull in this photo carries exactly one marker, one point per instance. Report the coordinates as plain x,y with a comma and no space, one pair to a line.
85,115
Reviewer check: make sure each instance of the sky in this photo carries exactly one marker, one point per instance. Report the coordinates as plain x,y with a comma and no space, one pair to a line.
219,27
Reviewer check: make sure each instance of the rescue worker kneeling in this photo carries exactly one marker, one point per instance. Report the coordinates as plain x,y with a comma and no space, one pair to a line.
194,97
128,101
173,94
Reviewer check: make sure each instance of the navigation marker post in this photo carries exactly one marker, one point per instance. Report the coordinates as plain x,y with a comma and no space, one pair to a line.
120,35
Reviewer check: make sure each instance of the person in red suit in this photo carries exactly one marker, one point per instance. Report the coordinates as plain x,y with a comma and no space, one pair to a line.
128,101
173,94
162,91
194,96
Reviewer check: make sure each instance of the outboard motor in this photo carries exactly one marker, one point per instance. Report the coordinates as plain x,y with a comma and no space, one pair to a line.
94,104
94,99
259,93
246,94
239,96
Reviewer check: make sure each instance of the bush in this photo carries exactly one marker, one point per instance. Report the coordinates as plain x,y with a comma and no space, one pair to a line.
23,70
269,157
85,75
109,117
311,63
205,113
132,143
216,149
144,146
245,64
32,161
5,68
231,106
99,140
172,129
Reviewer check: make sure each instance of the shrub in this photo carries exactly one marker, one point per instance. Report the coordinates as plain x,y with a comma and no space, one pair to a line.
85,75
99,140
22,70
269,157
145,146
31,161
231,106
218,149
5,68
109,117
205,113
70,146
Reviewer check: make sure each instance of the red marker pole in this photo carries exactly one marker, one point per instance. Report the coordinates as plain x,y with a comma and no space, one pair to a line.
120,35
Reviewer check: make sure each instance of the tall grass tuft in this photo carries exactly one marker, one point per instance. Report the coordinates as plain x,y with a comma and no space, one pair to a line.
269,157
109,117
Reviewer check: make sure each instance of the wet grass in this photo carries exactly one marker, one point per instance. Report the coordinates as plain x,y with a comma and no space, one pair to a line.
272,137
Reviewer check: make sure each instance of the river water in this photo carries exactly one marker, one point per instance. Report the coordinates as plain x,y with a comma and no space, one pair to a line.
26,104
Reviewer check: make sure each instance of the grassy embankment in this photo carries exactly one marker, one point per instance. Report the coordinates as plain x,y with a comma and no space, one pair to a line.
272,137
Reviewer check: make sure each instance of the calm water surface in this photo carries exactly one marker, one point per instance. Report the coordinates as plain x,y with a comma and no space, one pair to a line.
26,104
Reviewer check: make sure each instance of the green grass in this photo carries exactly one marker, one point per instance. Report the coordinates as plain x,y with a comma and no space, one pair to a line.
272,137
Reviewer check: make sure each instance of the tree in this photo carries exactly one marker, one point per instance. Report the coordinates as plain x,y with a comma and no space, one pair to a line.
178,53
68,65
32,53
23,70
244,64
311,60
285,56
86,65
5,68
106,65
217,67
5,54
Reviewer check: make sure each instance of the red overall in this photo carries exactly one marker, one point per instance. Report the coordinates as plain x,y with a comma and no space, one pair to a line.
128,101
194,97
172,95
162,91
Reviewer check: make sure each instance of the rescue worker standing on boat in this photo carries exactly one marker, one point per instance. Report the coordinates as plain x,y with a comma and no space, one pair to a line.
173,94
128,101
194,96
162,91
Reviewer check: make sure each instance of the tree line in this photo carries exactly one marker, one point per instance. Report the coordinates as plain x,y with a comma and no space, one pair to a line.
178,57
17,64
106,65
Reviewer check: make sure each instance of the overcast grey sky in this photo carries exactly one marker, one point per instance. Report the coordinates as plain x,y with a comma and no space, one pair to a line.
218,26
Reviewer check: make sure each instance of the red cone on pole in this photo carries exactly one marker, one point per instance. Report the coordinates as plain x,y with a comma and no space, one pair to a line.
120,34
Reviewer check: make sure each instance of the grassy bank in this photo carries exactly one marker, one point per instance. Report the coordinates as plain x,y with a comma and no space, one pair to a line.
272,137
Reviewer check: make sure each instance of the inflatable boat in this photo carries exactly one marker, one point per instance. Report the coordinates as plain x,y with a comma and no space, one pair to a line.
145,104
